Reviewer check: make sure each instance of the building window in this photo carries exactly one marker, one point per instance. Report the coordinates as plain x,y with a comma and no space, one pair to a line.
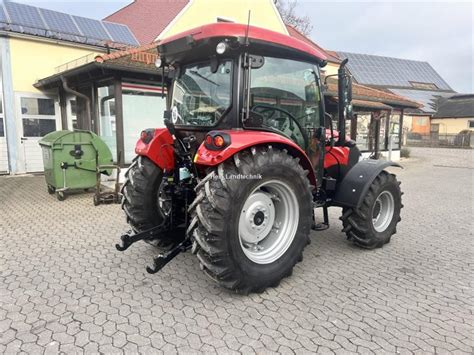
363,138
383,130
107,129
37,107
143,107
38,127
394,130
421,121
72,115
427,86
38,116
471,124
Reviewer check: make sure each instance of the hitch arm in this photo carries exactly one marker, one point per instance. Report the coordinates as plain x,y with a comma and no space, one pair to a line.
162,259
128,239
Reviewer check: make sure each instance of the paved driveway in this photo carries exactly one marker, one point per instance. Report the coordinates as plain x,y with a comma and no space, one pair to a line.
64,287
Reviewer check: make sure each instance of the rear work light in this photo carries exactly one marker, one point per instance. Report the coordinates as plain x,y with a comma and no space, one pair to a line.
147,135
216,140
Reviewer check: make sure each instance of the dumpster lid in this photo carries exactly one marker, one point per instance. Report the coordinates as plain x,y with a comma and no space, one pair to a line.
51,138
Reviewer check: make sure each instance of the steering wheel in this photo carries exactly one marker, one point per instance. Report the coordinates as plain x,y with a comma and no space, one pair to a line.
293,120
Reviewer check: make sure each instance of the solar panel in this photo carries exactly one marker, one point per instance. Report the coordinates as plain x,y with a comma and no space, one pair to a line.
57,21
386,71
427,98
120,33
3,16
91,28
52,24
61,25
26,16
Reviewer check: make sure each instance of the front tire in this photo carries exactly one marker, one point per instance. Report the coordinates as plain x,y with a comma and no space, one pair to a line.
249,233
140,194
373,224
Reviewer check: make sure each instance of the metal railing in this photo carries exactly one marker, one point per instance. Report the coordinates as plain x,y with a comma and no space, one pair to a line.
463,139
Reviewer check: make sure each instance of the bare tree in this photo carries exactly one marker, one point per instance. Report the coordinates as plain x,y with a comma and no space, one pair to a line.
288,13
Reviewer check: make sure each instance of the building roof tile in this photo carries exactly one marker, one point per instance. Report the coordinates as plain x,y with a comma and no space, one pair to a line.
362,92
456,106
148,18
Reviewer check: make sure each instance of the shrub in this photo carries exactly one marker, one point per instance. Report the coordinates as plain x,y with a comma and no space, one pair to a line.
405,152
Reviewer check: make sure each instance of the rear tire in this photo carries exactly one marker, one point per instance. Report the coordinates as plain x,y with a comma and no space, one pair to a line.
373,224
140,194
221,227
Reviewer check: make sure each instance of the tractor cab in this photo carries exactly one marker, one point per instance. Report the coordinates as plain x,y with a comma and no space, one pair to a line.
232,76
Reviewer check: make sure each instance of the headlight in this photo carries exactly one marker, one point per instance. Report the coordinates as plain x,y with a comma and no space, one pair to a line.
221,47
158,63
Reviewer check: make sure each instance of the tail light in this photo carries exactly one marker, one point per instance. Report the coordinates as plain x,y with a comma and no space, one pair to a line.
216,140
147,135
219,141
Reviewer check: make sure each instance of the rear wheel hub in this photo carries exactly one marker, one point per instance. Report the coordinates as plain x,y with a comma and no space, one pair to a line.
268,222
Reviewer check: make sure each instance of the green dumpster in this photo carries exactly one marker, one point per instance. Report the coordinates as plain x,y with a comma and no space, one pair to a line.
71,159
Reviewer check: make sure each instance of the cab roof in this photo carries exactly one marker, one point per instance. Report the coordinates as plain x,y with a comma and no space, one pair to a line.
256,35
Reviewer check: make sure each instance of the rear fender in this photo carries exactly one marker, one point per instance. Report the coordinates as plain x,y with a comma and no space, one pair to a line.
240,140
159,150
352,189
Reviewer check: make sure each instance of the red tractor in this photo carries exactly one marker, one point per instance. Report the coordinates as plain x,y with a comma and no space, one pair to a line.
247,155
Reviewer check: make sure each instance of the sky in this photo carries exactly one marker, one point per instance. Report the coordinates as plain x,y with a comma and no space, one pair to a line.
438,32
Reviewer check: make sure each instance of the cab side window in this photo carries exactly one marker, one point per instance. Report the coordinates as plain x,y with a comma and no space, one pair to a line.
285,97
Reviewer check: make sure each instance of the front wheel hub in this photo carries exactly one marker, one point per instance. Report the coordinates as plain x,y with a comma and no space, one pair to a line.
383,211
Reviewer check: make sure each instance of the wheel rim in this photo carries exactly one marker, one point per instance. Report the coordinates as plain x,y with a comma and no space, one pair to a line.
382,211
268,222
164,201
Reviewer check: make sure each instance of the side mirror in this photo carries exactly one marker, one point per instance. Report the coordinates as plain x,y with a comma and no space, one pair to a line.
214,64
256,61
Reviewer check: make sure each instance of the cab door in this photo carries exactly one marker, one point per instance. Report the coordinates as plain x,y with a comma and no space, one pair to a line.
39,115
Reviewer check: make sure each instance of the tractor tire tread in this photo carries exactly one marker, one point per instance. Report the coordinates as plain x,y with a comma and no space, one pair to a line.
215,194
140,194
355,221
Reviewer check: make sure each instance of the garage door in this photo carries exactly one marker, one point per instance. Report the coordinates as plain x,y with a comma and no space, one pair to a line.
38,118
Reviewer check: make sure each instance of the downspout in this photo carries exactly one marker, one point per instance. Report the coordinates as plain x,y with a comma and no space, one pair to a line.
377,137
66,88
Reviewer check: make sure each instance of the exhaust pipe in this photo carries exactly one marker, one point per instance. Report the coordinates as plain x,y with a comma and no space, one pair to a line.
342,80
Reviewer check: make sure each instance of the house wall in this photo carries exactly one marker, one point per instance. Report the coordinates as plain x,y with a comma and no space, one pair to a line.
33,60
24,61
200,12
452,125
419,124
331,68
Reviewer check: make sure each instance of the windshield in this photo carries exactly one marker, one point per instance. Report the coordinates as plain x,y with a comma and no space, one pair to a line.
201,97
